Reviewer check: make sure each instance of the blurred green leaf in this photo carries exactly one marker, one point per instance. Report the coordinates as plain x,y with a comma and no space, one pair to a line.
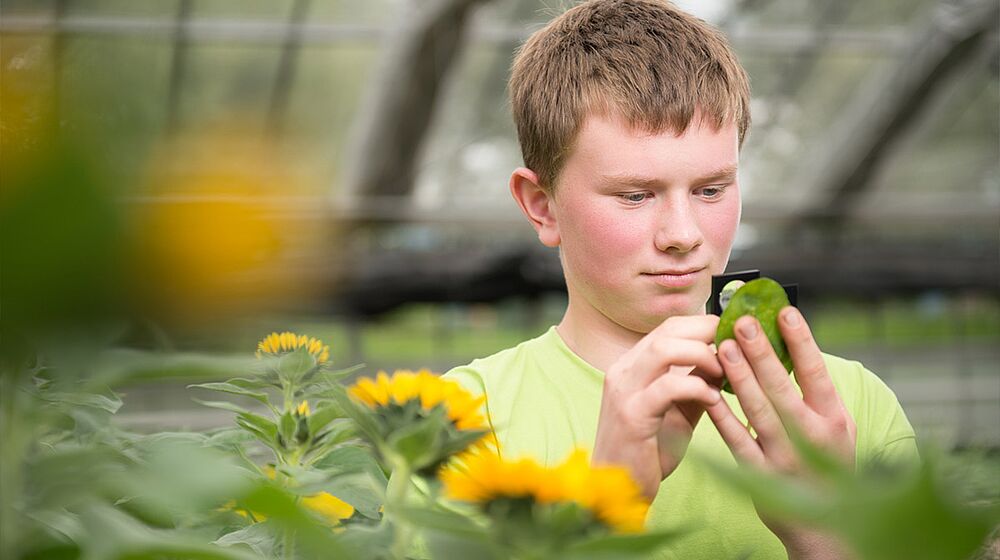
293,366
337,433
286,428
322,416
109,404
359,490
258,537
612,547
445,520
223,405
113,535
353,459
228,387
362,416
280,508
419,444
885,514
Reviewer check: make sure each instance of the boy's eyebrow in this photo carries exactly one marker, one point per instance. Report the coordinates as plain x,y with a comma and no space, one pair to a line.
725,173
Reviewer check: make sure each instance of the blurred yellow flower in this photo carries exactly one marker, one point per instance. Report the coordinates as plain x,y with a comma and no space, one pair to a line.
224,219
609,493
276,344
404,386
303,409
331,508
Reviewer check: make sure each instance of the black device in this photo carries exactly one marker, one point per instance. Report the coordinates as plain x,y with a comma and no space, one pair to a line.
719,282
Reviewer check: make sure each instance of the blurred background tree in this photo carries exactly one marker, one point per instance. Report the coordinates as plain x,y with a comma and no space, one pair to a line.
339,167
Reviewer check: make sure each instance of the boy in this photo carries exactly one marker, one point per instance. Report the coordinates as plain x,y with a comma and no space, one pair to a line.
630,115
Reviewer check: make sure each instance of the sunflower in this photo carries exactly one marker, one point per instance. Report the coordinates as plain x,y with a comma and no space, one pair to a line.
329,508
276,344
426,388
608,493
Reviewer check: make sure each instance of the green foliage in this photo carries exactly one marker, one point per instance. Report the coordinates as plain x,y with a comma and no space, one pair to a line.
886,512
296,480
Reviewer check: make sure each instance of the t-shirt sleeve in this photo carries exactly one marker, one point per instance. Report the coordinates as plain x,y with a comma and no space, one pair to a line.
472,381
885,436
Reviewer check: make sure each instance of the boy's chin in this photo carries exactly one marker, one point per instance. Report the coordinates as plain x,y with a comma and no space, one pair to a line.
646,322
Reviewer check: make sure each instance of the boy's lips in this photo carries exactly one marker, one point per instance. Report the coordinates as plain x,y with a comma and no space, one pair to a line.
675,278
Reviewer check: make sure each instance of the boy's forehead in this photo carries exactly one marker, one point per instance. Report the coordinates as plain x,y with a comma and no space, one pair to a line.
610,140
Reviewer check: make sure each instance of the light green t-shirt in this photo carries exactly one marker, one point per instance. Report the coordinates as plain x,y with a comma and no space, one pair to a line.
542,401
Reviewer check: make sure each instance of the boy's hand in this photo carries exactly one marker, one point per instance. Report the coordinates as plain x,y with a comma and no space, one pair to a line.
654,396
770,401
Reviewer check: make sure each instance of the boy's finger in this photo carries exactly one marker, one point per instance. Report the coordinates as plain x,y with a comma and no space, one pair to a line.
818,390
737,437
668,390
770,372
692,327
756,406
663,353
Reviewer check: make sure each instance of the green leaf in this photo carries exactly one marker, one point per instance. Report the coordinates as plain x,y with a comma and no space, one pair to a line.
233,389
286,427
324,378
762,298
361,415
359,490
353,459
224,405
281,508
612,547
260,422
108,404
227,438
460,440
884,515
444,520
122,536
258,537
337,434
258,383
322,416
292,367
419,444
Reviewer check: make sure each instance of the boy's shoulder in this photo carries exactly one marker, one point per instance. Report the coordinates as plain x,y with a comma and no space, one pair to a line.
504,366
852,378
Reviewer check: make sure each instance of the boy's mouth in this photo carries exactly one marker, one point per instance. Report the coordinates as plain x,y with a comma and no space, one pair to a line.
675,278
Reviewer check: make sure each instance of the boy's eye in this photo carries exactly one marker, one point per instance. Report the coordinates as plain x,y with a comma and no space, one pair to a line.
634,197
711,193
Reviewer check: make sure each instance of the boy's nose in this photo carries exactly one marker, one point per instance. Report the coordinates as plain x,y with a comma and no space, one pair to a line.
678,229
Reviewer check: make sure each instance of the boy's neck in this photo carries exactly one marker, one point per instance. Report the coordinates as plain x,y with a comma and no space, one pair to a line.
591,335
594,337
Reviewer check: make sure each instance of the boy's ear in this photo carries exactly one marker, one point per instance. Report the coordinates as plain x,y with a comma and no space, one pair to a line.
537,205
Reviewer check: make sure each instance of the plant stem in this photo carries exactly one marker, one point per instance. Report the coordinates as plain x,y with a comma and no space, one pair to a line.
288,547
10,463
395,499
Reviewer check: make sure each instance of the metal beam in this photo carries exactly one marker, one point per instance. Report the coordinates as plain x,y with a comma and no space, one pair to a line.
885,108
768,39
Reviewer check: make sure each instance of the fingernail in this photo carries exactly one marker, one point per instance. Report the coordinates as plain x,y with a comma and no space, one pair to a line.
793,318
748,329
732,353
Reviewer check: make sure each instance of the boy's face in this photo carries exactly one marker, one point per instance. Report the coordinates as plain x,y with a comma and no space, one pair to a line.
644,220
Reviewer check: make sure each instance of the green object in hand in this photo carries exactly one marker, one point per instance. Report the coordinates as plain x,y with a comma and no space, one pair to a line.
762,298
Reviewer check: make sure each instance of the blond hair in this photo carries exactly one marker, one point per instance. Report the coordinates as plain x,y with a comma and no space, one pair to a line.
642,60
